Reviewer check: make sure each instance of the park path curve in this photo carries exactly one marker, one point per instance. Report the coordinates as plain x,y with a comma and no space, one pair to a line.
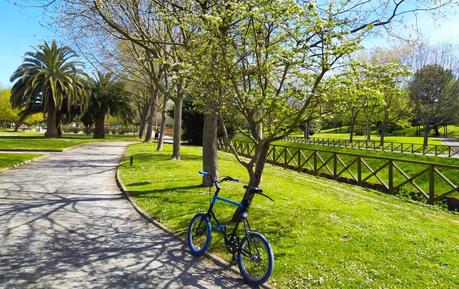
65,224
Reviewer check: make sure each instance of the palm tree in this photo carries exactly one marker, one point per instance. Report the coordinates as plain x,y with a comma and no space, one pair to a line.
51,75
108,96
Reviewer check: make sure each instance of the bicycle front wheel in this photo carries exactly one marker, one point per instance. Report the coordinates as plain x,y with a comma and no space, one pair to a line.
255,259
199,234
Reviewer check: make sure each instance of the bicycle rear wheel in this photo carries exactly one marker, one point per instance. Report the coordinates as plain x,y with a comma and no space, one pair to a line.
255,259
199,234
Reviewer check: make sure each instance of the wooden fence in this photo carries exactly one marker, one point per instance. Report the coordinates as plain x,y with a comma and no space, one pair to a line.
435,150
421,180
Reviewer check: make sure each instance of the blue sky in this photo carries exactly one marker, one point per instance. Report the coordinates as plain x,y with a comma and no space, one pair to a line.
21,29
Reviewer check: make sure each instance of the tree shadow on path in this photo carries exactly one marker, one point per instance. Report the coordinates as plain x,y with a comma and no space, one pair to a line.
75,230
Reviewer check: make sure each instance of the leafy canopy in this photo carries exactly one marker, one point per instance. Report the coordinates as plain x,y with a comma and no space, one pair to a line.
50,74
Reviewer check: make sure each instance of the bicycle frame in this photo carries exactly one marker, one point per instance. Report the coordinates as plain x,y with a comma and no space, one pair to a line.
228,238
247,247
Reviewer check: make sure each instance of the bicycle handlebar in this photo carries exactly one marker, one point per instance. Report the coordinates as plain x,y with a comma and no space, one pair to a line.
228,178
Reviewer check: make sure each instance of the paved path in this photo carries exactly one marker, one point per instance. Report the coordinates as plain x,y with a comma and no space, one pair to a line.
452,142
64,224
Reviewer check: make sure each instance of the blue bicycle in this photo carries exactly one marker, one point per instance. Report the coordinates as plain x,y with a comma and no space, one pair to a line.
251,251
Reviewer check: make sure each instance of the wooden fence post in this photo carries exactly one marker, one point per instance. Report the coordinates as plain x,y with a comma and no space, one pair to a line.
391,176
299,160
285,157
431,184
359,170
315,162
335,164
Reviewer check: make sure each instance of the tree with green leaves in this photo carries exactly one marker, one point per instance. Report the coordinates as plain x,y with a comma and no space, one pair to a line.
274,57
434,93
108,97
395,109
51,75
7,113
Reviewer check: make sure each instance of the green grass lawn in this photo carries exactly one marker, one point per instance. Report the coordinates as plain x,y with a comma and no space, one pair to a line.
403,156
8,160
36,141
411,169
409,137
453,131
324,234
396,139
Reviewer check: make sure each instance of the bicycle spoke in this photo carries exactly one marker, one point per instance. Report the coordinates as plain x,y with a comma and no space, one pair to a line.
199,234
254,256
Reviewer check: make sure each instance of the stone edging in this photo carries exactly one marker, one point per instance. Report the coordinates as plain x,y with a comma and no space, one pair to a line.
217,260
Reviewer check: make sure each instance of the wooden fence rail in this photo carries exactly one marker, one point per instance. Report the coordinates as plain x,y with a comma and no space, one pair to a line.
421,180
435,150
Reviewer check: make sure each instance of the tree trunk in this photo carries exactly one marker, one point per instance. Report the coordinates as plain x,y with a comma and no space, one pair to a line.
382,132
426,134
151,117
16,126
209,147
143,120
260,130
261,153
306,130
51,128
367,130
99,130
159,147
381,135
59,123
177,128
351,126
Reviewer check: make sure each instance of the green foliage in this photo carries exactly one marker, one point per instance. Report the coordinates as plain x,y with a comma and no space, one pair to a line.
434,93
372,89
108,96
49,74
7,112
193,122
324,234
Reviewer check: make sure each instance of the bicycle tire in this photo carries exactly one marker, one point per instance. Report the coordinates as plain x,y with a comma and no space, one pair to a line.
206,233
256,239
